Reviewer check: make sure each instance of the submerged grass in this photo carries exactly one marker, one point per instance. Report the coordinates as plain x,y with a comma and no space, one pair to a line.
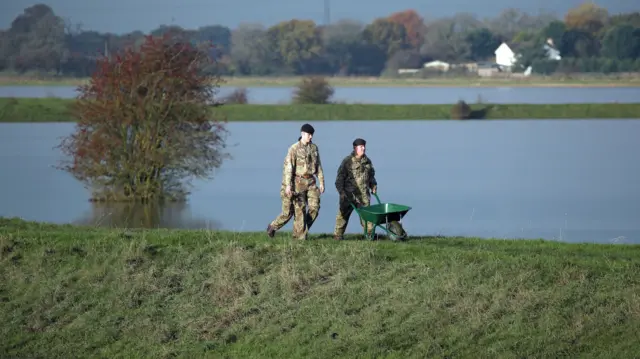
86,292
57,110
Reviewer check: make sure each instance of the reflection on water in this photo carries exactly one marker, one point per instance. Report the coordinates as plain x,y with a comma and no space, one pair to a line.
147,215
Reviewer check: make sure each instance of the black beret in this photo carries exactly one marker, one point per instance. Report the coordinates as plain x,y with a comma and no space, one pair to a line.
359,142
307,128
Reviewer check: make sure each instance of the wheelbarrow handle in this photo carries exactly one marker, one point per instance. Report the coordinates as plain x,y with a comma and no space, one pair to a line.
375,194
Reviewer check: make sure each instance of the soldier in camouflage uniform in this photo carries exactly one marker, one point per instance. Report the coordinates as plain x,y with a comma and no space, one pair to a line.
299,192
356,177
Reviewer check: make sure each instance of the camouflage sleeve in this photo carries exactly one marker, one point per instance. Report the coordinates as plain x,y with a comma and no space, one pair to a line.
319,170
341,176
372,177
288,169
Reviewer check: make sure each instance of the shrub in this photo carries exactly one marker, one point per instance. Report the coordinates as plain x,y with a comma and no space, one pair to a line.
313,90
461,111
237,97
144,123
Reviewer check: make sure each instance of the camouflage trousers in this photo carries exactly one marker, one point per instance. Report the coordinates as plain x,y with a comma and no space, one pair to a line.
303,206
344,212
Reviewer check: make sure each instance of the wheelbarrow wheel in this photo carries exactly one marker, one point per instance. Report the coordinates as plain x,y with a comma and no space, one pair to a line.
396,231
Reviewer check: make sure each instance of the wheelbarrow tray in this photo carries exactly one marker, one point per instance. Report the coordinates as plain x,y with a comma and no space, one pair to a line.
383,212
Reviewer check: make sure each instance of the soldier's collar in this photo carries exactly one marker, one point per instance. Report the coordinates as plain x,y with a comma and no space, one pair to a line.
353,154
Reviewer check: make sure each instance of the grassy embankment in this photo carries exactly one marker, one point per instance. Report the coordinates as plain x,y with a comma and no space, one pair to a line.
87,292
533,81
56,110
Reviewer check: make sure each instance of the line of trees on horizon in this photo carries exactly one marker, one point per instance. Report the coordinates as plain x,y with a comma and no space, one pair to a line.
588,38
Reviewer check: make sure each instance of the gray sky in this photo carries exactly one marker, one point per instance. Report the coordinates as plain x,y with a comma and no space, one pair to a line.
120,16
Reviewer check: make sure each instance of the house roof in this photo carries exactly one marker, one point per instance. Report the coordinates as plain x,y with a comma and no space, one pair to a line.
503,47
435,63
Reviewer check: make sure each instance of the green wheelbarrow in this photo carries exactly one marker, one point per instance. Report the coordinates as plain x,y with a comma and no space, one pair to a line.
387,216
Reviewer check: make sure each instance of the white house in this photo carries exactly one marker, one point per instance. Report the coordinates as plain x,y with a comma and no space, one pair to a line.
408,71
438,65
505,57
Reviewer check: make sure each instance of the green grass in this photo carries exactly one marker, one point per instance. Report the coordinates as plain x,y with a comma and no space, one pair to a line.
33,110
348,112
579,80
56,110
86,292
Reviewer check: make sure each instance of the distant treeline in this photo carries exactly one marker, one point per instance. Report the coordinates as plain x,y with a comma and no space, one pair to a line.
588,38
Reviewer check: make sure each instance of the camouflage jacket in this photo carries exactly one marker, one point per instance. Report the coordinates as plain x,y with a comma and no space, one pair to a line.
302,160
356,176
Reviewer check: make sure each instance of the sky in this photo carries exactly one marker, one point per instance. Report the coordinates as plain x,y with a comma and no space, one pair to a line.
122,16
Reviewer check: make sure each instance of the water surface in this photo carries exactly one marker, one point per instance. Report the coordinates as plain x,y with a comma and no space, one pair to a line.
575,181
400,95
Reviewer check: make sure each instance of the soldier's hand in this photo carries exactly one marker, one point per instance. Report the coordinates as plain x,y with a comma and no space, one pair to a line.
374,189
287,191
321,188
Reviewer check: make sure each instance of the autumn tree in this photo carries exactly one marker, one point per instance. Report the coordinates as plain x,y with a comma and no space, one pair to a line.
587,17
388,36
413,24
144,123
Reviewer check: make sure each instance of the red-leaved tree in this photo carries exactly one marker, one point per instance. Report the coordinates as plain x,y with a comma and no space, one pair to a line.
146,124
413,24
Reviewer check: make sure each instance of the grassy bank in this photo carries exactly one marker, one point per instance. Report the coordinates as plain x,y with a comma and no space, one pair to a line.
86,292
534,81
56,110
